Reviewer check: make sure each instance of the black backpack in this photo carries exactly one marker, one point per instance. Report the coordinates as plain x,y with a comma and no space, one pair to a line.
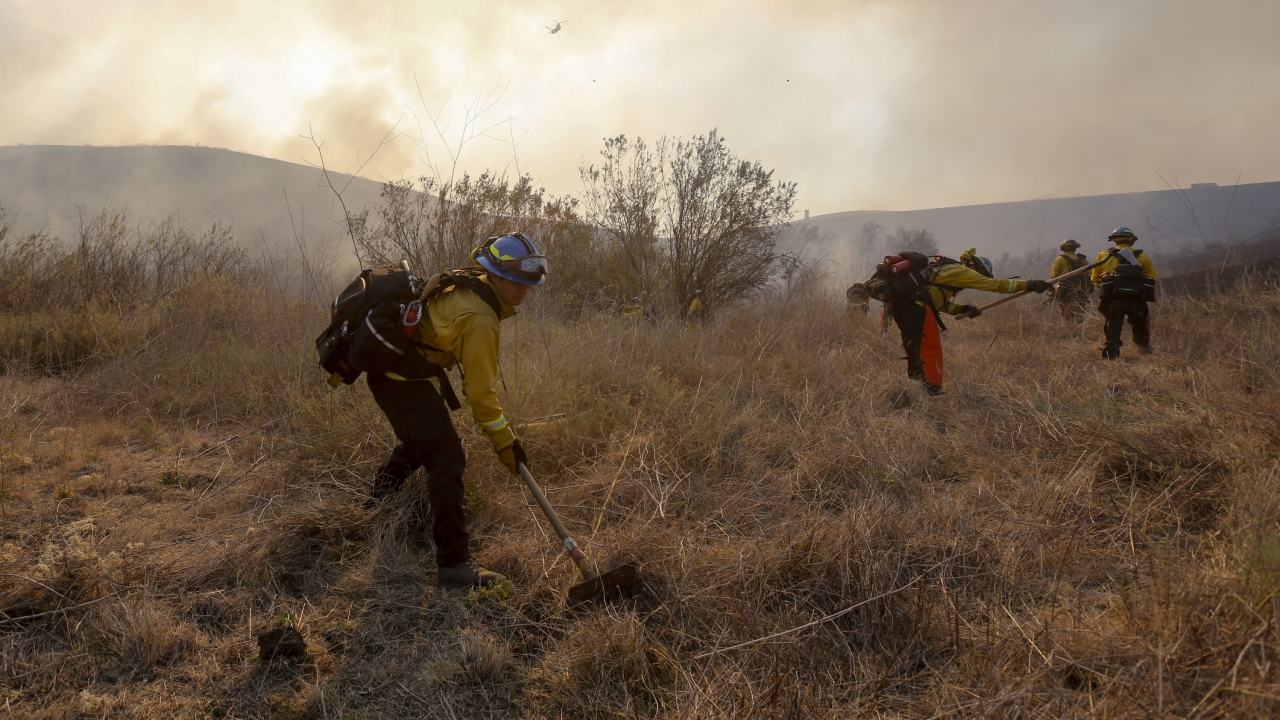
1128,282
373,321
899,277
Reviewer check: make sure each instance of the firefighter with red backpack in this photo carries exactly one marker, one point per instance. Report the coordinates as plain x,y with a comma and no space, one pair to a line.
1127,283
916,288
404,334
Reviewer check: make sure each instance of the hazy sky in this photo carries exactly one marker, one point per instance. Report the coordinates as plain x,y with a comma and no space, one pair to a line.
867,105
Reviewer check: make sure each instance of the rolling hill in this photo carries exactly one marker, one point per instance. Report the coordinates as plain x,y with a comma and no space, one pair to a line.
47,185
1168,222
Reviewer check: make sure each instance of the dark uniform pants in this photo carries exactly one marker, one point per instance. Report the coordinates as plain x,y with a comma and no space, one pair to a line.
922,341
1115,312
427,440
1072,305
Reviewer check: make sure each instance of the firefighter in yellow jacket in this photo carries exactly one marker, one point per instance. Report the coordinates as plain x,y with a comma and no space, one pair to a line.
460,327
917,318
695,312
1126,283
1072,295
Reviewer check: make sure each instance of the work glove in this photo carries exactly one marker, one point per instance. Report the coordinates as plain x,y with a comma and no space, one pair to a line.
512,456
1038,286
969,311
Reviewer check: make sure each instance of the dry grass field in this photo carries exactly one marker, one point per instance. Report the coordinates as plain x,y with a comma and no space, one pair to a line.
1059,536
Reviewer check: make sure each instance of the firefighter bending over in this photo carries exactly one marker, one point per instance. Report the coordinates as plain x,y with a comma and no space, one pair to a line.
460,327
922,287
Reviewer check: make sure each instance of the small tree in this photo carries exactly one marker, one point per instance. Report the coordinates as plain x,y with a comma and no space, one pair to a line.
621,199
720,217
688,216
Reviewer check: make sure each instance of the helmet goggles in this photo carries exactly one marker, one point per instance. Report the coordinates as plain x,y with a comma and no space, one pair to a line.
534,266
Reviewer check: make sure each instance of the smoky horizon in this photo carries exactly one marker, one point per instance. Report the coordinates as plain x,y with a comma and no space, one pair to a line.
865,105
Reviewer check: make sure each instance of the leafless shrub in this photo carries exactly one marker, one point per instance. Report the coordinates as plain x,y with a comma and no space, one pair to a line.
112,262
688,215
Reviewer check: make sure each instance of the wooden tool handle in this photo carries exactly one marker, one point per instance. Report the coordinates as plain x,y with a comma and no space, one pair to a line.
1055,281
579,559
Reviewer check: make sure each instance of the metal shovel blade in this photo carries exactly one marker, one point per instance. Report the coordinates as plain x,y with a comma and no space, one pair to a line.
618,579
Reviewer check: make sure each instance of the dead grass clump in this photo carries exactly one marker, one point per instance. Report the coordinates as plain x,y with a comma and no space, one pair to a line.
608,664
141,632
483,658
68,565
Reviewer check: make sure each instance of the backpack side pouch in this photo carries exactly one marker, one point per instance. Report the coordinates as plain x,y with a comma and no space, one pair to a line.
378,346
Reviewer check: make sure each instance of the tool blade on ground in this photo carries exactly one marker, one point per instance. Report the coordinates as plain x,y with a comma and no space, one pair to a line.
594,585
619,579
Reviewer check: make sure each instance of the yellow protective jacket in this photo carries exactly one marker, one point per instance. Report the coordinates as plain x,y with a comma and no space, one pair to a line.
1110,265
946,281
1062,266
460,328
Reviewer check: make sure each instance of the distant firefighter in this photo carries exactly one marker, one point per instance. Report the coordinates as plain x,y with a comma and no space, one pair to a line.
858,298
633,311
1127,282
696,309
1072,295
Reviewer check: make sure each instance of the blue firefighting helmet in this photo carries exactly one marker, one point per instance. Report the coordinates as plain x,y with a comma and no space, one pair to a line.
1122,233
983,265
513,257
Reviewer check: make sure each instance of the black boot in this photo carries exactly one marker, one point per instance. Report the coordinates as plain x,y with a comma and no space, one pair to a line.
466,574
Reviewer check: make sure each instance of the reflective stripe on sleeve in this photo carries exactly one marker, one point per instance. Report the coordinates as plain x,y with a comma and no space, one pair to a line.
494,426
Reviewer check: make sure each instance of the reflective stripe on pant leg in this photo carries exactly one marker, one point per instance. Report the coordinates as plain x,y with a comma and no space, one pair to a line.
931,349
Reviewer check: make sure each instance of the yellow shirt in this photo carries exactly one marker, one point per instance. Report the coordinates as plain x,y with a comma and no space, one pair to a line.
956,277
1111,264
460,328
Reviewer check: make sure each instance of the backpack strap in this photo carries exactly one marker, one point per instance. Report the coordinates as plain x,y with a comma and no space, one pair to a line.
939,263
469,279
